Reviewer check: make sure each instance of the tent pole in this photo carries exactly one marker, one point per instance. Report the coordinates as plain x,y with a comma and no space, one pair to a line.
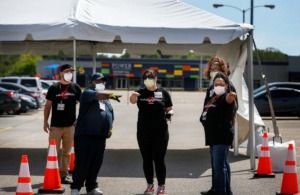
94,58
74,60
251,101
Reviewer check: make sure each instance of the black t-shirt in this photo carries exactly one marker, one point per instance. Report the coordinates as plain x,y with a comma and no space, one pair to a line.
152,105
66,96
218,121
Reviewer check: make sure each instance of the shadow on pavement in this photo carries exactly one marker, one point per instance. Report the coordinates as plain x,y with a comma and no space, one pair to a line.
118,163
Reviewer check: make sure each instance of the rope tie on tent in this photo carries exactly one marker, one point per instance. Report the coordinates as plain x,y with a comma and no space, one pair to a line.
276,130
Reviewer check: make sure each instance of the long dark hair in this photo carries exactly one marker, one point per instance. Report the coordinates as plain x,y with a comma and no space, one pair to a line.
221,75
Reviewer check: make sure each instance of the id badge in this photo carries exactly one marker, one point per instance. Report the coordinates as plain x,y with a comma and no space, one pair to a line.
158,95
204,115
102,106
60,106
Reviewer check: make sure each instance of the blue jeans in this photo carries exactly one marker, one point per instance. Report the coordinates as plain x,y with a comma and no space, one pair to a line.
220,169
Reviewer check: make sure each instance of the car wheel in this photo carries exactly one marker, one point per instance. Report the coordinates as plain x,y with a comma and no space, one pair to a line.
10,112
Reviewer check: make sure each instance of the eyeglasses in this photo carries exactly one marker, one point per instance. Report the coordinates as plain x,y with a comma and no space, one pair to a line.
150,76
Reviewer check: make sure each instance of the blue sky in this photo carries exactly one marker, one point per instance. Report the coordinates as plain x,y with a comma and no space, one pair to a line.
278,28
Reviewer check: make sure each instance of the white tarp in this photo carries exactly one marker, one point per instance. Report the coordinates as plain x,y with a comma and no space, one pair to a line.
110,23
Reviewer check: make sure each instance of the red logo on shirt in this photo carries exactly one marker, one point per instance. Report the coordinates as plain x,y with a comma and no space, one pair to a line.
150,100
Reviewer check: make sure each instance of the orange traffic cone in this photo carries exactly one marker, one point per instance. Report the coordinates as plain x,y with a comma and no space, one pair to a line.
72,160
24,181
264,168
52,183
290,179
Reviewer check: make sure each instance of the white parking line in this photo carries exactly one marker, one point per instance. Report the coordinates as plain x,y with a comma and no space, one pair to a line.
5,129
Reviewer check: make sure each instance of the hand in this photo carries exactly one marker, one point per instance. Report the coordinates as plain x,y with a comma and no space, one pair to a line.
232,95
109,134
114,97
135,94
46,127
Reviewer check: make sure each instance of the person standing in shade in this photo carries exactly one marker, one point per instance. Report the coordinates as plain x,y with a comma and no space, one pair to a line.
217,119
61,99
155,109
214,66
94,125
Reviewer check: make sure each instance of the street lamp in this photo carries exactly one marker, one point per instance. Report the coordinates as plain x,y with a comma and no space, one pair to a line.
243,10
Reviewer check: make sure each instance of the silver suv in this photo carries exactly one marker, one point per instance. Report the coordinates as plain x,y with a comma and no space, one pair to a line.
33,83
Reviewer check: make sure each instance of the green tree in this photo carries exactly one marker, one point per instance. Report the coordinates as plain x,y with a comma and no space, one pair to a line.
270,54
25,65
6,62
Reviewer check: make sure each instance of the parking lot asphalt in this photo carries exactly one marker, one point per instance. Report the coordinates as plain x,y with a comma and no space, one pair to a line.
187,160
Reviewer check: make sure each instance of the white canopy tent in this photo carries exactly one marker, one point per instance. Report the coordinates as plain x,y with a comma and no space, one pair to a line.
142,27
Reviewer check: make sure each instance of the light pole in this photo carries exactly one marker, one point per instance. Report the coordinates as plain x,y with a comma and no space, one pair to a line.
244,10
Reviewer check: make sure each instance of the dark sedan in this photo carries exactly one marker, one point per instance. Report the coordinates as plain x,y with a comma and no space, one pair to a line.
285,101
9,101
21,89
27,102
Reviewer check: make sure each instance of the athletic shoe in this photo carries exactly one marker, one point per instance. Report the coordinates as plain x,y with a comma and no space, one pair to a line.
150,189
161,190
95,191
209,192
74,192
66,180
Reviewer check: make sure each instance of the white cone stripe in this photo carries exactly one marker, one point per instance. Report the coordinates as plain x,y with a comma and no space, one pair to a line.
291,155
52,151
24,187
265,142
265,153
290,169
72,150
24,170
52,164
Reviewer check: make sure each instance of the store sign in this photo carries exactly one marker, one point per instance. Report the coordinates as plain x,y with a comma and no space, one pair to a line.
121,69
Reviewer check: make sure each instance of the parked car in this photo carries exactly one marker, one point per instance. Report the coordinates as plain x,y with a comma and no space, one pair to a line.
285,101
9,101
28,103
293,85
46,84
33,83
22,90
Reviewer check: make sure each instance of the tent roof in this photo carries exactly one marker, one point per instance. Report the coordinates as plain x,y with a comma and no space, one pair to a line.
111,21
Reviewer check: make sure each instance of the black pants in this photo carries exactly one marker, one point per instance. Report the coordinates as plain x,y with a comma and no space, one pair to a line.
89,152
153,142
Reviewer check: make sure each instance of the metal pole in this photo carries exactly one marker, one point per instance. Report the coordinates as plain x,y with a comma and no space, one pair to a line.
94,58
74,60
251,11
200,77
251,102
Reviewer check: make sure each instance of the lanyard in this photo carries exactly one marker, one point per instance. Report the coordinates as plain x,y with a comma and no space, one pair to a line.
63,93
210,103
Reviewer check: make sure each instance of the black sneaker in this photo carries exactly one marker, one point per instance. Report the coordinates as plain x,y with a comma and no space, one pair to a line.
66,180
209,192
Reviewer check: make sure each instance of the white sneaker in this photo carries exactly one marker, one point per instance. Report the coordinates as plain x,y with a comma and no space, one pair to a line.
161,190
95,191
74,192
150,189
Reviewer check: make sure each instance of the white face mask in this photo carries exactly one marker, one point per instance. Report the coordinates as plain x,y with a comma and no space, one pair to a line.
149,83
68,76
100,87
219,90
213,74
